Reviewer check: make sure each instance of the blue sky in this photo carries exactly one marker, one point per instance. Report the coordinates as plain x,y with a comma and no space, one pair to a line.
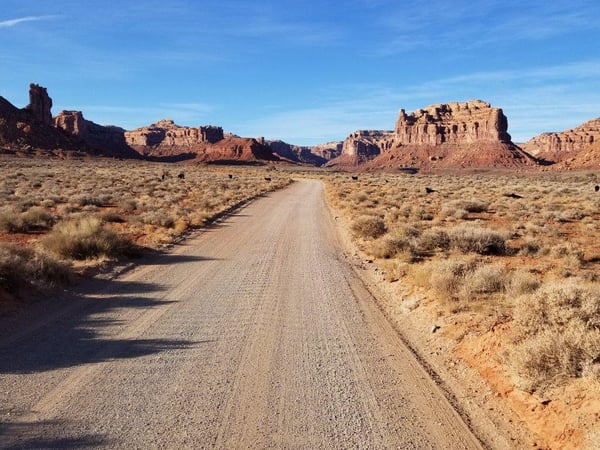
304,71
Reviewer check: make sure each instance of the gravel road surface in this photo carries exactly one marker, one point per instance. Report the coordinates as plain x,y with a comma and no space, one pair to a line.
254,334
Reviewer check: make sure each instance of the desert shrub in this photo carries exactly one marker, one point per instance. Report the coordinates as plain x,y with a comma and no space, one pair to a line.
453,211
128,205
359,196
487,279
522,282
111,217
158,219
11,222
460,208
568,251
368,227
21,267
485,241
85,200
389,246
85,238
530,247
558,331
473,206
448,276
433,238
37,218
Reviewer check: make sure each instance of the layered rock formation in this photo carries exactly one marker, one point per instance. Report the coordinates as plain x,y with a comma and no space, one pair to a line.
33,130
166,134
453,123
567,145
167,141
105,140
234,150
469,134
30,130
296,153
328,150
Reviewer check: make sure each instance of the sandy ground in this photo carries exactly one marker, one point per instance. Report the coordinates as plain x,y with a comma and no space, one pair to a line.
255,334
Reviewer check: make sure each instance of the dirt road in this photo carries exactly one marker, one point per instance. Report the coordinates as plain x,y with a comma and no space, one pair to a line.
255,334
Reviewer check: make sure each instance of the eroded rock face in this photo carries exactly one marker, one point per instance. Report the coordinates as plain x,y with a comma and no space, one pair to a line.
366,144
566,144
28,130
469,134
328,150
235,150
296,153
40,104
453,123
32,130
73,123
106,140
166,134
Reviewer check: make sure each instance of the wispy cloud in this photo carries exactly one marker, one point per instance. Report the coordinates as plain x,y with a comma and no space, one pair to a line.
299,33
13,22
468,25
536,99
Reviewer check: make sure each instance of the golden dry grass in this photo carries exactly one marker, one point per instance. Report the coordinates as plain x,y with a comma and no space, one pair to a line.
495,246
85,210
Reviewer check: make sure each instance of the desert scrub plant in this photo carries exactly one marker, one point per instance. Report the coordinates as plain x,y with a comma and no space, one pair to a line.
368,227
531,247
558,334
35,218
390,245
86,238
11,221
448,276
25,267
434,238
522,282
471,239
487,279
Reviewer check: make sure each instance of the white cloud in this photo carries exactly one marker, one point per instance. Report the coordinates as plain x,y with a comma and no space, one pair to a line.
13,22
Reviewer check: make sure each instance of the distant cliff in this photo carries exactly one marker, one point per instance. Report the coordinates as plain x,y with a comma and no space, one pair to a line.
579,145
469,134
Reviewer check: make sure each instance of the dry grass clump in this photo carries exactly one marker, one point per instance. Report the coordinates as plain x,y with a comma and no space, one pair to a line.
522,282
478,241
467,278
432,239
25,267
558,334
471,206
368,227
448,277
35,218
390,245
471,239
101,208
86,238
